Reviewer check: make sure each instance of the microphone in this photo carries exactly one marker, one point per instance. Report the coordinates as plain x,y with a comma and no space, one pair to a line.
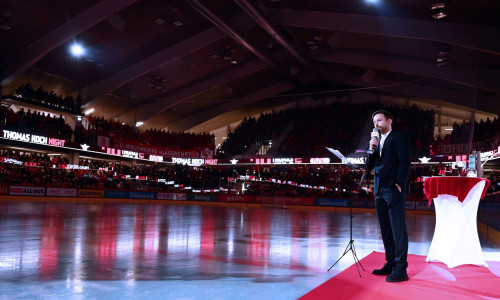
374,133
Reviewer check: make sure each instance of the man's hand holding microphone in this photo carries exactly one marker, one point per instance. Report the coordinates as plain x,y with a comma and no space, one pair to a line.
374,140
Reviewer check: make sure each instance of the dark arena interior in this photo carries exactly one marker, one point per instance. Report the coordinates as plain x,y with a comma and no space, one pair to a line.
201,148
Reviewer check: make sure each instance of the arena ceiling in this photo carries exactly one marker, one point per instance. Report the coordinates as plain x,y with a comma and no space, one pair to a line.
201,64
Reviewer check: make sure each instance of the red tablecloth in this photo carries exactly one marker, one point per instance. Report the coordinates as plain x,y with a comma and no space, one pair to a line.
452,185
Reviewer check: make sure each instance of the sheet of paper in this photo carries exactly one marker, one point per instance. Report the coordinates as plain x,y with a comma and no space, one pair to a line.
338,154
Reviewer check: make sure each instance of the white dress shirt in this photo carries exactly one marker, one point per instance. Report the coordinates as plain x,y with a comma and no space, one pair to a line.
382,140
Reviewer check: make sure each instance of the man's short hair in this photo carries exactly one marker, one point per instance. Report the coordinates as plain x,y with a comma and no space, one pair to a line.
386,114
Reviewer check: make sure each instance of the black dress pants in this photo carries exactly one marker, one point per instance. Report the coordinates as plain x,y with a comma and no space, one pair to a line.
391,212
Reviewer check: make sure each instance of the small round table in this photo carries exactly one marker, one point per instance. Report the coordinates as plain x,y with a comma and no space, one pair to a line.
456,200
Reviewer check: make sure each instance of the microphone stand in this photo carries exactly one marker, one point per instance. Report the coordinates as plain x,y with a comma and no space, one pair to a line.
350,245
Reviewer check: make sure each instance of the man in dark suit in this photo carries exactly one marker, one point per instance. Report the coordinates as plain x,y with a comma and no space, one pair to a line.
389,156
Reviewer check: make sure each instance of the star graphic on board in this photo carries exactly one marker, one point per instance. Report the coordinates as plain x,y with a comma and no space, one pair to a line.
234,161
85,147
424,159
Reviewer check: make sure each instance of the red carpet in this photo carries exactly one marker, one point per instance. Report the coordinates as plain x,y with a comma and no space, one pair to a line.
427,281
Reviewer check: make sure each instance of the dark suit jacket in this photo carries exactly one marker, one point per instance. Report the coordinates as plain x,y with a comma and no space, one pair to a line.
393,165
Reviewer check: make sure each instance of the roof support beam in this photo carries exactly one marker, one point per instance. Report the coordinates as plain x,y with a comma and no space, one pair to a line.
199,118
485,79
105,86
420,90
148,110
480,38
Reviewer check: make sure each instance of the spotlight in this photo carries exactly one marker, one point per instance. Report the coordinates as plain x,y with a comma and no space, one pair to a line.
160,21
139,123
89,111
77,50
177,23
439,15
438,5
439,10
440,62
443,56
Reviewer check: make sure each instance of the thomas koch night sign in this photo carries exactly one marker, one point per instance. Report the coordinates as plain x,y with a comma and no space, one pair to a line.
32,138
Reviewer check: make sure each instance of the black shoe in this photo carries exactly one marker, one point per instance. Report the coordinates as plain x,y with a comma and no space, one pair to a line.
397,275
386,270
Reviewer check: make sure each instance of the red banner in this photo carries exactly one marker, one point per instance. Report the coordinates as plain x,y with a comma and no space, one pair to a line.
21,190
61,192
152,150
171,196
235,198
279,200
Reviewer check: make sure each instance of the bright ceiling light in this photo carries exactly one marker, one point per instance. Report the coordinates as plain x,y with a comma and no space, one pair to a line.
77,50
139,123
438,5
89,111
439,15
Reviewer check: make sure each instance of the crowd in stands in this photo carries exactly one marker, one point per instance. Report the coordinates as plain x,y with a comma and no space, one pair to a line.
28,94
485,132
21,168
338,180
494,179
34,123
337,125
120,132
250,132
418,124
45,124
43,170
